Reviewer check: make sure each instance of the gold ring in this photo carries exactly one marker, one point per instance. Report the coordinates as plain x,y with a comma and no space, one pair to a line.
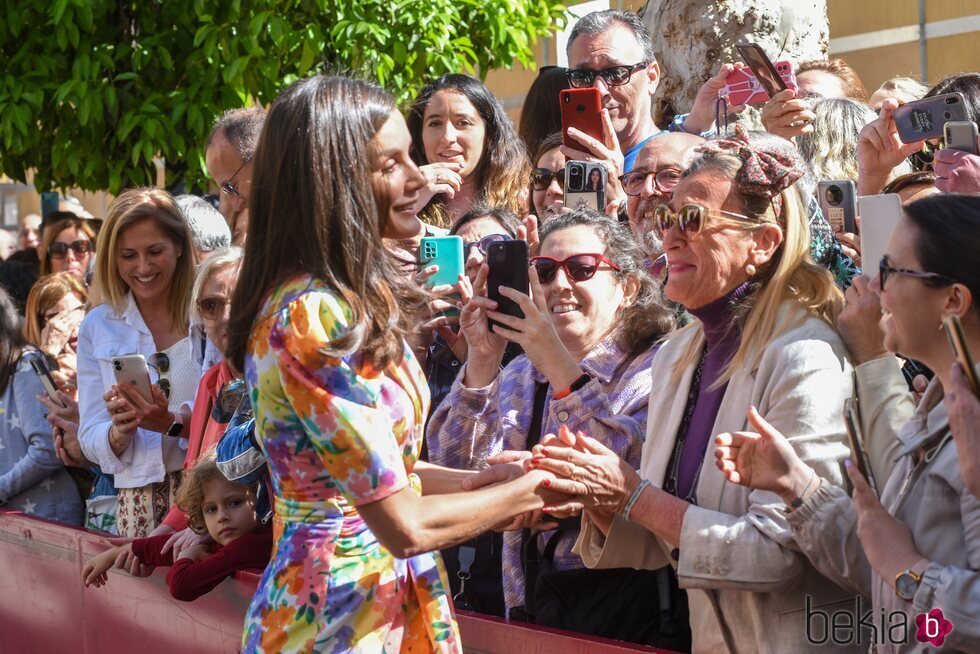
439,179
576,476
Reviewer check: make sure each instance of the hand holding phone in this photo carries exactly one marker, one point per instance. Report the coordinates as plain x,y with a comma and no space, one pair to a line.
132,369
957,340
508,262
742,87
766,73
40,368
581,109
961,135
926,118
855,438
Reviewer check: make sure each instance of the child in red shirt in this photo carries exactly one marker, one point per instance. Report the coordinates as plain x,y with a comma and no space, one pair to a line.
215,506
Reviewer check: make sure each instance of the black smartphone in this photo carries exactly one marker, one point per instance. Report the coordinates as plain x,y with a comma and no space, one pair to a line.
957,340
859,455
40,368
508,261
762,67
838,201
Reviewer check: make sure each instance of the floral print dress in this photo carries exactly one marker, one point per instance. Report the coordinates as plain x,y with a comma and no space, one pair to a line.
337,434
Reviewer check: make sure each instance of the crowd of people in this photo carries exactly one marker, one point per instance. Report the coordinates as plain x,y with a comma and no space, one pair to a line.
655,451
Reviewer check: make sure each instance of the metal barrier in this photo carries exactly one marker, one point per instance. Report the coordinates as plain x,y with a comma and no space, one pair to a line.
44,607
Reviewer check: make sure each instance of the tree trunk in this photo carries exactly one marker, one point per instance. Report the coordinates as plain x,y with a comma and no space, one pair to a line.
692,38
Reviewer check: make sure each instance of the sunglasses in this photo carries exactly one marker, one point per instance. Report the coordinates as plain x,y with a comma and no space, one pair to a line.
229,186
613,76
578,267
691,218
484,243
664,180
59,249
160,362
232,397
541,178
212,308
885,269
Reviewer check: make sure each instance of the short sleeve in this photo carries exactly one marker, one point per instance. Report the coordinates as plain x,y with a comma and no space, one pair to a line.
348,410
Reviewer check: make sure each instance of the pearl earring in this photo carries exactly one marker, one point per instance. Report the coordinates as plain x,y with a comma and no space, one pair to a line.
750,270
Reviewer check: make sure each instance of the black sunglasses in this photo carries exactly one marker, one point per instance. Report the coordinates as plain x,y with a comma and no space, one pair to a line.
59,249
484,243
581,78
541,178
160,362
885,269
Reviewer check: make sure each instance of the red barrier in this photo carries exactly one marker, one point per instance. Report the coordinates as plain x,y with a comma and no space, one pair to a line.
45,608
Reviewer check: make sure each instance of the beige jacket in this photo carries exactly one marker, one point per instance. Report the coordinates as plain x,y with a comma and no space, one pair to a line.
745,577
926,492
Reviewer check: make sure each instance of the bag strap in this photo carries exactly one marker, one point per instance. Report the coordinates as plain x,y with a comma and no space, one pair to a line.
529,548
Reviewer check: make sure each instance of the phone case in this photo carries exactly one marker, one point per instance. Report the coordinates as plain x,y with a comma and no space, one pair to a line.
742,87
768,76
41,370
508,261
925,118
581,190
838,202
445,252
961,135
132,368
879,215
957,340
581,109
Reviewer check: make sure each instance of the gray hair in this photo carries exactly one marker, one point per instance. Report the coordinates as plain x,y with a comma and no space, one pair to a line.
222,258
242,128
598,22
906,88
209,230
831,149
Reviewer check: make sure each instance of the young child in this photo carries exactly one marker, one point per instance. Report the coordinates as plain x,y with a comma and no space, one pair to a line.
216,506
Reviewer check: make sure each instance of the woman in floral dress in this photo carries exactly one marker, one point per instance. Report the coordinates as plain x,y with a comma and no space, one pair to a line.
318,324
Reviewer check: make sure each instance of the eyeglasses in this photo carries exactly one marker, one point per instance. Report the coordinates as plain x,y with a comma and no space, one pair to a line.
229,186
541,178
664,180
578,267
581,78
160,362
59,249
884,269
212,308
484,243
690,219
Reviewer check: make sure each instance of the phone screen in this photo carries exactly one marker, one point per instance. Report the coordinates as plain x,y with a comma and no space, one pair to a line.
762,67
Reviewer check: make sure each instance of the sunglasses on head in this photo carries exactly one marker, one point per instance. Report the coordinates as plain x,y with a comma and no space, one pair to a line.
59,249
484,243
212,308
541,178
578,267
160,362
691,218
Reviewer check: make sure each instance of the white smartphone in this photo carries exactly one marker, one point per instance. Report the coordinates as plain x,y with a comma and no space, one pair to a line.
40,368
961,135
879,215
132,368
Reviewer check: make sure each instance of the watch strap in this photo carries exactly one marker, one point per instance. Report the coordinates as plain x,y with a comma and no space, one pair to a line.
176,427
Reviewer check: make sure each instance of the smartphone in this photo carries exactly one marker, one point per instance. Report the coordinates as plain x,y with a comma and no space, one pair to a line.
447,253
581,109
49,204
838,201
762,67
926,118
742,86
879,215
132,368
961,135
508,261
859,455
585,185
40,367
957,340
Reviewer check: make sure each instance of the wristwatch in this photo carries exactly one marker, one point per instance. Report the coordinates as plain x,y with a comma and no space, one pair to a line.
907,582
176,427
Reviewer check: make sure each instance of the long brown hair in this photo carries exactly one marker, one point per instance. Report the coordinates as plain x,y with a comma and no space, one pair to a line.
312,210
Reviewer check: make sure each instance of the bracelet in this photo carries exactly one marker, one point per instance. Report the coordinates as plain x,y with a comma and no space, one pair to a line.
634,497
579,383
113,441
797,502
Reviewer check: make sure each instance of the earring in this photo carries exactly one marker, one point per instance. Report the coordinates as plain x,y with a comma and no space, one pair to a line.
750,270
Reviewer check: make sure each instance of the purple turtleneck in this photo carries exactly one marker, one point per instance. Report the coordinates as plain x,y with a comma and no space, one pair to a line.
722,340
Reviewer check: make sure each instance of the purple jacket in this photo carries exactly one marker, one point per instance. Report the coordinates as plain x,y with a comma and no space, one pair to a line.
473,424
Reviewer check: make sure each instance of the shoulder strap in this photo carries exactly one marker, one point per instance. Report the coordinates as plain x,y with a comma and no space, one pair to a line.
529,546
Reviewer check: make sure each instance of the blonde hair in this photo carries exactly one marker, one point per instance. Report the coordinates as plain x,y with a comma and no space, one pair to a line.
831,149
51,233
190,495
47,292
228,256
790,275
126,210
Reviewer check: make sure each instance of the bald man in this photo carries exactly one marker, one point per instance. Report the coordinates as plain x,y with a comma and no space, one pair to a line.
663,158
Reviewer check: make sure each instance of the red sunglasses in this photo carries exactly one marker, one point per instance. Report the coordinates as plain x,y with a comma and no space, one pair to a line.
578,267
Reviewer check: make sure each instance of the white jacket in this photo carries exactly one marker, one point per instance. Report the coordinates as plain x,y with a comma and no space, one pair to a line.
102,336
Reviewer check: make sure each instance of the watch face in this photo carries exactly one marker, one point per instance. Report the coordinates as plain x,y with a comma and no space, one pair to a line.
906,585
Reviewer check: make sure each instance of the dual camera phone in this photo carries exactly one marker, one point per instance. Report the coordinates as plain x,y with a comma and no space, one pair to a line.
926,118
132,369
581,109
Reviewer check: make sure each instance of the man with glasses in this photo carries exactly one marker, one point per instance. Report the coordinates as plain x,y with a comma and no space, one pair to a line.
612,51
228,157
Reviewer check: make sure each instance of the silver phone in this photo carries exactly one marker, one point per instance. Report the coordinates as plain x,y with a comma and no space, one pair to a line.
132,368
961,135
838,201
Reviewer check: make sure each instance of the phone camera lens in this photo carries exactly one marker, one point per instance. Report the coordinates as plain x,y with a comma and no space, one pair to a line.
580,108
117,365
834,195
948,115
950,100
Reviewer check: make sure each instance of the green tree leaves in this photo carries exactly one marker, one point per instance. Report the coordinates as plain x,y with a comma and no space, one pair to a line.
92,91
